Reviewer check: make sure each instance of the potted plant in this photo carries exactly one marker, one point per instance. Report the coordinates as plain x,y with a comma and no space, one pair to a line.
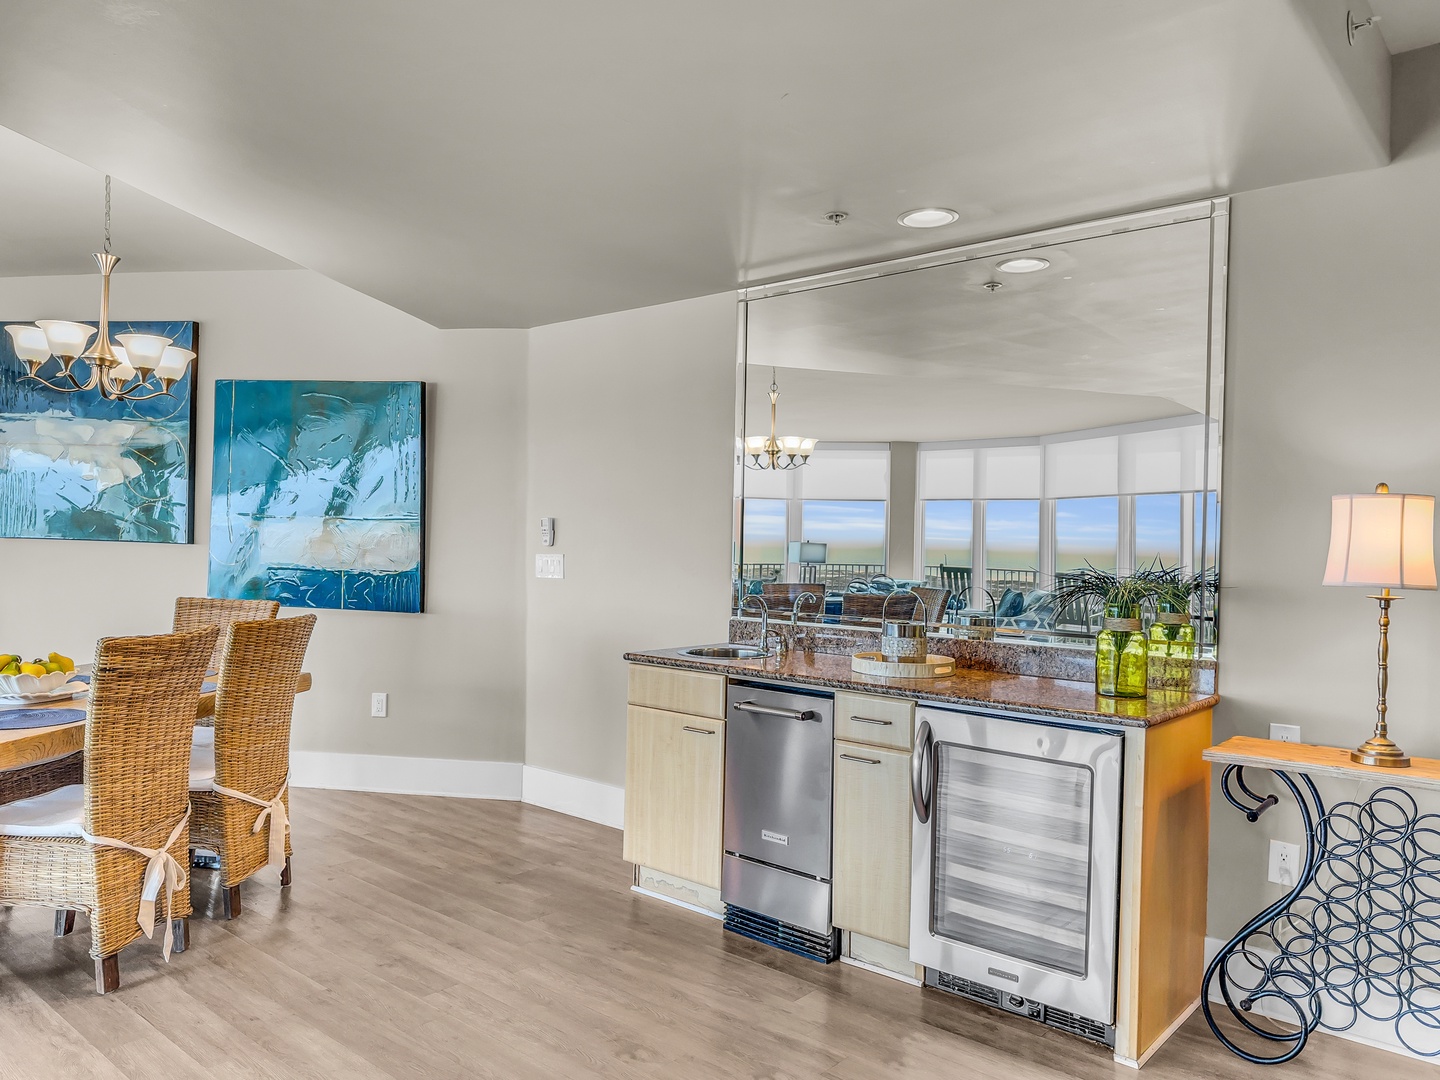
1121,652
1173,642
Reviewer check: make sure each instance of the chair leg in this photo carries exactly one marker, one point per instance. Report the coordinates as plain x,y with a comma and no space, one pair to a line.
285,874
64,923
182,936
107,974
232,902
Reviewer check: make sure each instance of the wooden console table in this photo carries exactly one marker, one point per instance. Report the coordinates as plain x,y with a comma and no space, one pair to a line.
1359,933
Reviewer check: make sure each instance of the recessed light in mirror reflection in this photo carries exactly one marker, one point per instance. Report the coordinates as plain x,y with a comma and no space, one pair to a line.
928,217
1025,264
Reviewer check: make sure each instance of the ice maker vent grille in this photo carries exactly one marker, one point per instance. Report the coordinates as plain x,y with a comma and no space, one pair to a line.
801,942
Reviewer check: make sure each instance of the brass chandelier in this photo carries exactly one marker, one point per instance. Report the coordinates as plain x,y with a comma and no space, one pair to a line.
122,370
766,453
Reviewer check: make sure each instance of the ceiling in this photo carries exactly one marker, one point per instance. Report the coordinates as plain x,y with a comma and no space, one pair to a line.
1408,24
54,217
1114,331
517,163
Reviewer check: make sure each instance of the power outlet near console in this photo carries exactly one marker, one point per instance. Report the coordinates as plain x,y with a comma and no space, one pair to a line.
1284,863
1285,732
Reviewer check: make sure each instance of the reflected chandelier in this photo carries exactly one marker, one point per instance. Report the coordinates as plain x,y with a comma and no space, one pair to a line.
767,453
121,372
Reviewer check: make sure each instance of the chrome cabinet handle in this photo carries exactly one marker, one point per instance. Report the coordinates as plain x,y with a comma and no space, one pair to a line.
698,730
862,760
920,771
770,710
867,720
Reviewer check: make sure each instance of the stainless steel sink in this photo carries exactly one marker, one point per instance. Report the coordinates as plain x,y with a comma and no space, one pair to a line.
728,652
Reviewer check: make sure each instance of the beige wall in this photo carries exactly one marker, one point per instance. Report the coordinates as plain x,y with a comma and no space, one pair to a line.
631,427
1333,384
455,674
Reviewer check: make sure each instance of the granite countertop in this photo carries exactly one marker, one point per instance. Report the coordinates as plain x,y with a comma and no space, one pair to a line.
968,686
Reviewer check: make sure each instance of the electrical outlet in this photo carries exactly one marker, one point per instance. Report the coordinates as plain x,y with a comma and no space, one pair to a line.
1285,732
1284,863
550,566
379,704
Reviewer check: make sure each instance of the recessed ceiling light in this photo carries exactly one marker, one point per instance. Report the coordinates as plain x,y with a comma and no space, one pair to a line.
1024,264
928,217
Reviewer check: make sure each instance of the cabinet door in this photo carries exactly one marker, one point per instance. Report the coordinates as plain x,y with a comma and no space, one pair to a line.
872,841
674,793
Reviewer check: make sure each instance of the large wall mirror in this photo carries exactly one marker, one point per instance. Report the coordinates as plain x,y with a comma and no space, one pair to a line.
985,421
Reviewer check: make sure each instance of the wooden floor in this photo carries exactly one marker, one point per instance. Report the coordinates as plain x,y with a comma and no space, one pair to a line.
456,938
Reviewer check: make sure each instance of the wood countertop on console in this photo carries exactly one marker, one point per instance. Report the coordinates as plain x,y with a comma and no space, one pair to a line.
1016,693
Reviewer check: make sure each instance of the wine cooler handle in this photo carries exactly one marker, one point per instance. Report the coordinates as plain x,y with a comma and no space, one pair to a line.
921,772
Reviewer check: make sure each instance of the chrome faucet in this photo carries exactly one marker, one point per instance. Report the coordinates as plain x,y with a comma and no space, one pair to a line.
764,621
795,617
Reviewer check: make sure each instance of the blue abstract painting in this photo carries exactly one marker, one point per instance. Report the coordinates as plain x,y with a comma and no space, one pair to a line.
80,467
317,496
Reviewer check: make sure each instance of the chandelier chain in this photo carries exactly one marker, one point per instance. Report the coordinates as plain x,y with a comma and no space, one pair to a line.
107,213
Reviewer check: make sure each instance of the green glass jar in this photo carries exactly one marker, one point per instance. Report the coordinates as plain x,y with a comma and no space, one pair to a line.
1172,647
1121,653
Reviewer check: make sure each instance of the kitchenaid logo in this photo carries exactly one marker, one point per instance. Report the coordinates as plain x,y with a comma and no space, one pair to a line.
1003,975
775,837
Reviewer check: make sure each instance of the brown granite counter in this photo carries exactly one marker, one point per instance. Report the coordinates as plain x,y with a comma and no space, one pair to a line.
968,686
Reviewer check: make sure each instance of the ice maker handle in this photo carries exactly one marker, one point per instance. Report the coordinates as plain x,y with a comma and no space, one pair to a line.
769,710
922,773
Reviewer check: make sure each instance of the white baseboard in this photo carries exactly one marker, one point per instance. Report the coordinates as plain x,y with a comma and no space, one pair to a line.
407,775
574,795
1366,1032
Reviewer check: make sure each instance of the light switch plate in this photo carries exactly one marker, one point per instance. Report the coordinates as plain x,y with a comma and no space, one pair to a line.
550,566
380,705
1285,732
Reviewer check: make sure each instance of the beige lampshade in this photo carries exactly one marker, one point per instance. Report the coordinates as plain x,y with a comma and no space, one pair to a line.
1382,540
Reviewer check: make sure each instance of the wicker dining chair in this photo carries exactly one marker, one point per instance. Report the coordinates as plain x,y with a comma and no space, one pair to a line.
193,612
115,845
240,769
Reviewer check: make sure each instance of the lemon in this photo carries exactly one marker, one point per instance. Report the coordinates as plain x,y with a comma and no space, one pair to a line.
38,670
62,663
12,668
6,659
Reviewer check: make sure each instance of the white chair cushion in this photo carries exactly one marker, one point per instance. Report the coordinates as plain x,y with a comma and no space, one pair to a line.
202,759
56,813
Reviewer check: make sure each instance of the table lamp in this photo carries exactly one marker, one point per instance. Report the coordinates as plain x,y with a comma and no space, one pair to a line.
1384,541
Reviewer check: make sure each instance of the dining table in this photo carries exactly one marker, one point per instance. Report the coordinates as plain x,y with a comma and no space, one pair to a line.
23,750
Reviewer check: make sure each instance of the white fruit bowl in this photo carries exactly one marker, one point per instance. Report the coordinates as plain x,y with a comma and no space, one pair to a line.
26,685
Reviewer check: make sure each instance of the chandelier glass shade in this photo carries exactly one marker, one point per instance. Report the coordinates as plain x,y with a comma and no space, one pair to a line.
133,367
776,452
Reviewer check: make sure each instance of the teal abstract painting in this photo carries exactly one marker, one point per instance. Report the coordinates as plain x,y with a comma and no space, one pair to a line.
78,466
318,494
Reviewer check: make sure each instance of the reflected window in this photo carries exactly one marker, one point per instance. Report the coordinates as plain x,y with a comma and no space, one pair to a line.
1087,533
1012,542
949,532
763,539
1207,529
852,530
1157,530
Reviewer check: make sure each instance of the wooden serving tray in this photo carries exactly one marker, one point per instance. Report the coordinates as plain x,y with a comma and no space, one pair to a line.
873,663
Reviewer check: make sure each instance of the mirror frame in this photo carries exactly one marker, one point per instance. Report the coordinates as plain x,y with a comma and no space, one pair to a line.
1216,210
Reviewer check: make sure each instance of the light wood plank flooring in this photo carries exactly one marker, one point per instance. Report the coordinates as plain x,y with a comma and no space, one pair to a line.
456,938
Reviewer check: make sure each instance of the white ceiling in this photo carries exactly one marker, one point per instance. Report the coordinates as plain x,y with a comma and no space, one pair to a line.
52,216
1408,24
1113,331
522,162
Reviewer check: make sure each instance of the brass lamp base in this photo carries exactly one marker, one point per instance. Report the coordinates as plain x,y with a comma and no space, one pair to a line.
1380,752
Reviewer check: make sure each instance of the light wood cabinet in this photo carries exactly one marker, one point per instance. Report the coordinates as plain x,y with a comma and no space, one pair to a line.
871,864
696,693
674,793
879,721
